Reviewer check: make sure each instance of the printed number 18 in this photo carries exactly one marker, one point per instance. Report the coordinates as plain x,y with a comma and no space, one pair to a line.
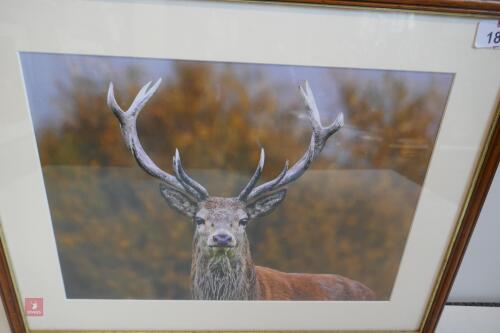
495,38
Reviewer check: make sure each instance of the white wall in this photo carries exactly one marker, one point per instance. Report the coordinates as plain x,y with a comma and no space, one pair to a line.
469,319
4,324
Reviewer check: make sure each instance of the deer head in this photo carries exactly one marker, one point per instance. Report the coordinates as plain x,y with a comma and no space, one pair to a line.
220,245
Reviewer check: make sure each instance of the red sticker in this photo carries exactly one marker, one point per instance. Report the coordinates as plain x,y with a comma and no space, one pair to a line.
33,306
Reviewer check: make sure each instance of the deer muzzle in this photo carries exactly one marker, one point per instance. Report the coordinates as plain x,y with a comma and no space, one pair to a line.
221,239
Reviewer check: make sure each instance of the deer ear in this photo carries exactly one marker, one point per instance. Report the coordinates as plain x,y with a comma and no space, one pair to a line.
179,201
265,204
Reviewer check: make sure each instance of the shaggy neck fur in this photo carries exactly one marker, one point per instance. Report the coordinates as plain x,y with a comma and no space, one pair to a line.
223,275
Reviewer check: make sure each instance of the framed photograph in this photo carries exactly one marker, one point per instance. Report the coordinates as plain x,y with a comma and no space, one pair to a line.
217,165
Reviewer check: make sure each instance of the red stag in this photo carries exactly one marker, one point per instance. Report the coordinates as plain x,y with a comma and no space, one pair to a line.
222,266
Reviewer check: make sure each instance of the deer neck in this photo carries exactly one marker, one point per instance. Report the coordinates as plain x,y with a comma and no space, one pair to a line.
228,276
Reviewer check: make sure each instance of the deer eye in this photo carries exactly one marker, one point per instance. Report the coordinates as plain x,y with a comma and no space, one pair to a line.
199,220
244,221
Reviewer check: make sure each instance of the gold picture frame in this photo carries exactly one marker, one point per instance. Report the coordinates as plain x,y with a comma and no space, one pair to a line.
478,184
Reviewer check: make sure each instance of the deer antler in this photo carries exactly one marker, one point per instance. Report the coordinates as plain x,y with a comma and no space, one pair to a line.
181,181
244,195
320,135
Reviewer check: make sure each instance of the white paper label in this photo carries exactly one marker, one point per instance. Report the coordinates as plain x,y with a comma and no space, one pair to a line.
488,34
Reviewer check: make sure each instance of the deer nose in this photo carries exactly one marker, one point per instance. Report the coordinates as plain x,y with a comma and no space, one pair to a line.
222,239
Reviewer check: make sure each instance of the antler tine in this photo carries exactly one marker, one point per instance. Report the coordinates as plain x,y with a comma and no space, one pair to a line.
270,185
320,135
113,105
128,127
189,183
255,177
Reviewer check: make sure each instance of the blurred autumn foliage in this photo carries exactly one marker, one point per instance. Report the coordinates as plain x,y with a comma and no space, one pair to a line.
350,214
